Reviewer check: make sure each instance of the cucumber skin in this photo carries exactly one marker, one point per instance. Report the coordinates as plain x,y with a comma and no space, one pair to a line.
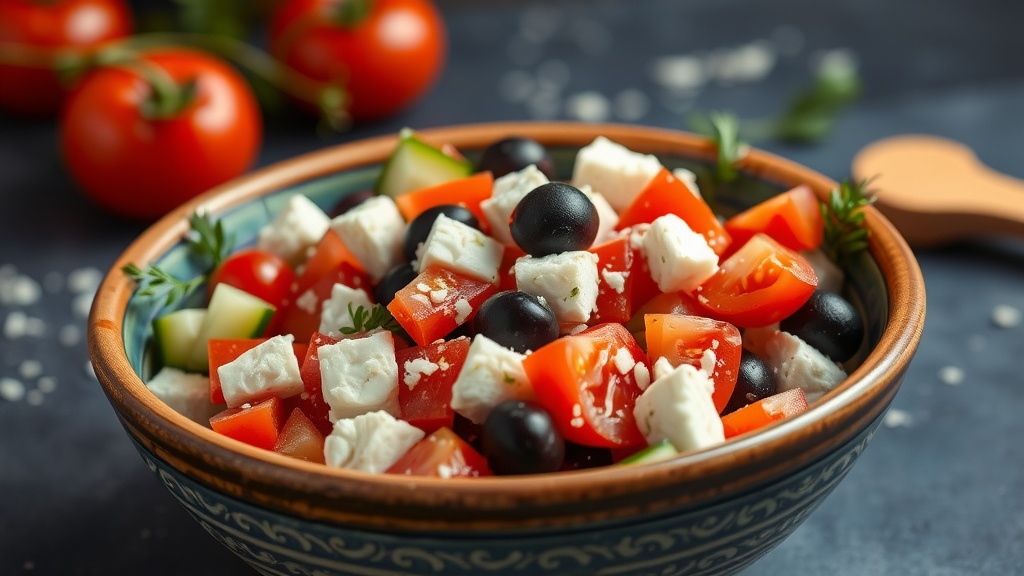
169,329
655,453
199,360
411,148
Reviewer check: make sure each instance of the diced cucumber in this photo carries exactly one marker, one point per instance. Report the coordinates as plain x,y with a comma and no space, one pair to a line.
414,164
232,313
175,334
661,451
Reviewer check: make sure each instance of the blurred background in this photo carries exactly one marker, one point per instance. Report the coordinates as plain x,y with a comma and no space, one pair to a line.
938,492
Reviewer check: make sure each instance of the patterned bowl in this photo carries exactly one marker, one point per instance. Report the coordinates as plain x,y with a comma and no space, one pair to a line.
709,512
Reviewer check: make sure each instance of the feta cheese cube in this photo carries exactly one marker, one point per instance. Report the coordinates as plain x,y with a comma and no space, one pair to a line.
490,375
507,192
679,258
607,217
185,393
373,231
268,369
678,406
797,364
360,376
568,282
335,312
614,170
295,230
370,442
461,248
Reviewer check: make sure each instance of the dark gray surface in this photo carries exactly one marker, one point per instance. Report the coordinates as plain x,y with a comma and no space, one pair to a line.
939,494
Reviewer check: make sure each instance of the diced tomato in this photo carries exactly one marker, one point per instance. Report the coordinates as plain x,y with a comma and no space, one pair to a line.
426,320
578,381
685,339
467,192
299,438
666,194
644,287
763,282
329,254
764,412
425,392
506,273
257,424
442,454
792,219
224,350
301,316
665,303
615,282
312,403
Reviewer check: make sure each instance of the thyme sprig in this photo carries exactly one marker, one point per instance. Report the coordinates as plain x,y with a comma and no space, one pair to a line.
843,216
364,320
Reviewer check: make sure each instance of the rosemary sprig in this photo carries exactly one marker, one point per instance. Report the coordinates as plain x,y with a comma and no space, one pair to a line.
364,320
845,234
155,282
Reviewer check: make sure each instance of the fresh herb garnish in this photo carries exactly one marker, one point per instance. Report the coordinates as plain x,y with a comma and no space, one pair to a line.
845,234
155,282
208,240
364,320
812,112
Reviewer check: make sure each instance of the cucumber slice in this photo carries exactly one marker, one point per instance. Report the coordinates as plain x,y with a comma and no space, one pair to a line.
414,164
232,313
661,451
175,334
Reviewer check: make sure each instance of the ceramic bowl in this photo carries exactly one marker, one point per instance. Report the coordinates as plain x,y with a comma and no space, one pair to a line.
709,512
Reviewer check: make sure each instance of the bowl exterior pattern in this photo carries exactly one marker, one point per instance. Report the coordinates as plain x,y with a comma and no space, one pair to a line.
719,539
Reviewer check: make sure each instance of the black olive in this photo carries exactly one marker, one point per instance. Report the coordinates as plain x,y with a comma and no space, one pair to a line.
418,230
394,280
829,323
554,218
520,438
754,382
514,153
350,201
516,320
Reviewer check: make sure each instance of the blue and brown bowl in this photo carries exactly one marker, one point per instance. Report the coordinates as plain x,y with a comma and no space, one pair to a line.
709,512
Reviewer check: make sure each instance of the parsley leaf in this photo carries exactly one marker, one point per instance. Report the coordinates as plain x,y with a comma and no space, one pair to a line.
364,320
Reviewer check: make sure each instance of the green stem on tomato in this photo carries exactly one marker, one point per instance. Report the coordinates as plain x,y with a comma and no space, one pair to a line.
351,13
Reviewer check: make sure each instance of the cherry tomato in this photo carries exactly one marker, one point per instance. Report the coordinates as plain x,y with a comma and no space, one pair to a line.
63,24
385,59
141,166
792,218
258,272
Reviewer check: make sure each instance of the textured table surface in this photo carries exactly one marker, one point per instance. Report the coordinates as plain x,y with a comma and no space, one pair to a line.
939,491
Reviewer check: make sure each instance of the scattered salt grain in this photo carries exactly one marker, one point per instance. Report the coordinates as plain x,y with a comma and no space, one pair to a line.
84,280
745,64
46,384
679,73
951,375
30,369
588,106
34,397
69,336
18,325
19,290
895,418
1005,316
11,390
631,105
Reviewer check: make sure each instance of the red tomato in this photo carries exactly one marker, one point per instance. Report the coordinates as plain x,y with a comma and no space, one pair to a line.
425,397
300,439
615,283
257,424
665,303
80,25
764,412
385,61
328,255
792,218
312,403
258,272
141,166
426,320
577,380
507,272
442,454
467,192
300,315
224,350
763,282
684,339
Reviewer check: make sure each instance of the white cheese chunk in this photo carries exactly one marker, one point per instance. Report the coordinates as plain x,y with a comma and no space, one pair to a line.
295,230
335,312
688,178
187,394
679,258
568,282
373,232
678,407
370,442
417,368
360,376
490,375
268,369
614,170
505,196
461,248
607,217
797,364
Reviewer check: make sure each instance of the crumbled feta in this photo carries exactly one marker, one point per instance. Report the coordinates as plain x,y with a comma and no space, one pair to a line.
370,442
642,376
268,369
360,376
462,249
373,232
307,302
688,178
505,196
490,375
708,363
797,364
624,361
415,369
462,310
614,170
335,313
567,281
296,228
615,280
185,393
678,406
679,258
662,368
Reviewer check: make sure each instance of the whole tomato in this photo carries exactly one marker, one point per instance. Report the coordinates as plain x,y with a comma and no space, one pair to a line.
142,137
385,53
54,25
260,273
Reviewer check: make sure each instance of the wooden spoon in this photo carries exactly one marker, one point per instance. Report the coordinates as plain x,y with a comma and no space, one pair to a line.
937,191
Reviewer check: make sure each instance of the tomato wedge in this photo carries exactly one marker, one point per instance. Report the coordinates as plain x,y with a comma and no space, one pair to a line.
300,438
442,454
761,283
301,315
329,254
685,339
467,192
437,301
764,412
312,403
256,424
792,218
425,378
587,383
615,281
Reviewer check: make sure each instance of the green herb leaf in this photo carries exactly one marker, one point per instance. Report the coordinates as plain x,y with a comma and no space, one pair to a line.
812,112
364,320
843,217
208,240
153,281
724,129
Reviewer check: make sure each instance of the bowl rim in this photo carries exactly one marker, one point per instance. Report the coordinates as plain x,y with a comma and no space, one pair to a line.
318,492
